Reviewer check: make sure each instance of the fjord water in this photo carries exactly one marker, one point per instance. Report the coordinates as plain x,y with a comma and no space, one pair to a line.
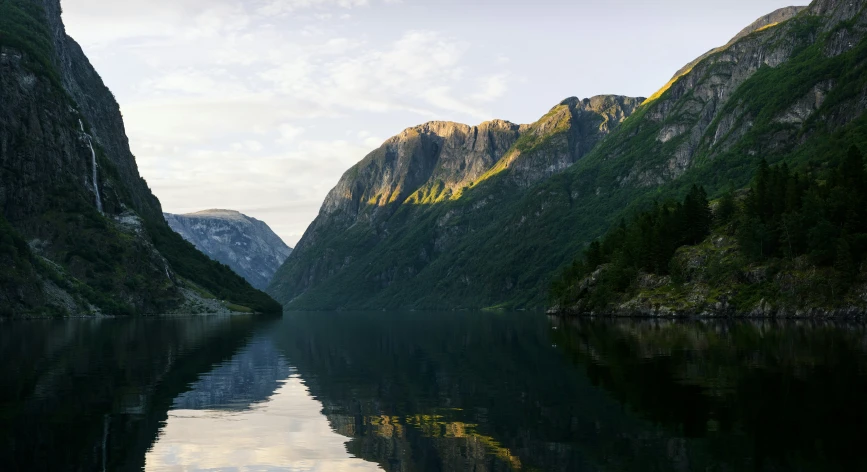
430,392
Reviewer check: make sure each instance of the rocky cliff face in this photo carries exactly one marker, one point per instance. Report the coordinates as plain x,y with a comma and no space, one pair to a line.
415,173
791,87
770,20
245,244
430,162
70,188
707,112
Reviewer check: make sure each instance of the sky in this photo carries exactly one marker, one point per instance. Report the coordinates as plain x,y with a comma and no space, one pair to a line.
261,105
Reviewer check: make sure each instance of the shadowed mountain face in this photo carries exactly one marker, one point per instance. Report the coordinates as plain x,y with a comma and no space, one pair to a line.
245,244
80,231
790,88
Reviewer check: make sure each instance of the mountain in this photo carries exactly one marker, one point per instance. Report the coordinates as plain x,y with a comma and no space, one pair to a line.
768,21
394,217
245,244
791,90
80,231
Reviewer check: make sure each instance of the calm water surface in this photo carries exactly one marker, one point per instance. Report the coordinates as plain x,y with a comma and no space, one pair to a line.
430,392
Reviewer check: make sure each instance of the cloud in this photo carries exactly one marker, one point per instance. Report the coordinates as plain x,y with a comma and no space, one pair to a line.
282,7
289,132
244,104
288,432
492,88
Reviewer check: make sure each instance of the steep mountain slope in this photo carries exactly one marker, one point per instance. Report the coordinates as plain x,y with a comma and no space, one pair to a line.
768,21
389,217
795,92
79,229
245,244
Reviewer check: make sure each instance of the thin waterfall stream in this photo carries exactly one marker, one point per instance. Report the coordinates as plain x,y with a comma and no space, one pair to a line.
95,176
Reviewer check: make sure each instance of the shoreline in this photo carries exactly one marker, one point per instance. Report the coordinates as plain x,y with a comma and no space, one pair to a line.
781,314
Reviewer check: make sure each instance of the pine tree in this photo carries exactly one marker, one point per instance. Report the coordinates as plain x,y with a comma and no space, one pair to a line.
761,189
593,256
697,216
727,208
844,267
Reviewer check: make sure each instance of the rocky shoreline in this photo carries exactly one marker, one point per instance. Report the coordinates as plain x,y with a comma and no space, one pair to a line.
764,311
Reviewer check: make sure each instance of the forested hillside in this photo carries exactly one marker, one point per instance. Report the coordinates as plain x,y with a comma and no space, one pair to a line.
790,91
792,244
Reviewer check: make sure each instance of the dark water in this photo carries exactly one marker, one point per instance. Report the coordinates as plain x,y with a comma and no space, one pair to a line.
429,392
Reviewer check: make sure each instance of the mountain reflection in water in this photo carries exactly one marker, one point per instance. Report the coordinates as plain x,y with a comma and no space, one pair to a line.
431,392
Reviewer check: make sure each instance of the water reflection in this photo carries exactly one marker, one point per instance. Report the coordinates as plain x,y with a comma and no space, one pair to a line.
250,377
90,395
431,392
250,413
444,391
758,395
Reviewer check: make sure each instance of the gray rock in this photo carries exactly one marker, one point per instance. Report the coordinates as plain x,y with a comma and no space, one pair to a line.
245,244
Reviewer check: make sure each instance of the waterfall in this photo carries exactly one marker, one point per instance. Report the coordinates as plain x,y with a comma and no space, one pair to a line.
95,176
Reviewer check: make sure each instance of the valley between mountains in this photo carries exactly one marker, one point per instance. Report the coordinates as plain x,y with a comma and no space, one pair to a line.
467,217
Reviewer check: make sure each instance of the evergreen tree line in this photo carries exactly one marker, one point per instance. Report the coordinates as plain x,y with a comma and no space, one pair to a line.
645,244
791,214
821,215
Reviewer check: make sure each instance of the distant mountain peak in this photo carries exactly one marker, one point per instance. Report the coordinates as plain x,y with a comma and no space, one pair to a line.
218,213
248,246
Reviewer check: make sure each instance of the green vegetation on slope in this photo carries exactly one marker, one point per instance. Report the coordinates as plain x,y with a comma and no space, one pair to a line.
16,267
22,26
798,243
647,244
217,278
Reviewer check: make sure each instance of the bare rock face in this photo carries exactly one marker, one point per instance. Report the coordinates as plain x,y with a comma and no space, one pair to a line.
695,112
435,157
245,244
570,131
769,20
61,141
435,163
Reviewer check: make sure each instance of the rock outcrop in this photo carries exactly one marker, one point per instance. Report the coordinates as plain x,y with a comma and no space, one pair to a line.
245,244
768,21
